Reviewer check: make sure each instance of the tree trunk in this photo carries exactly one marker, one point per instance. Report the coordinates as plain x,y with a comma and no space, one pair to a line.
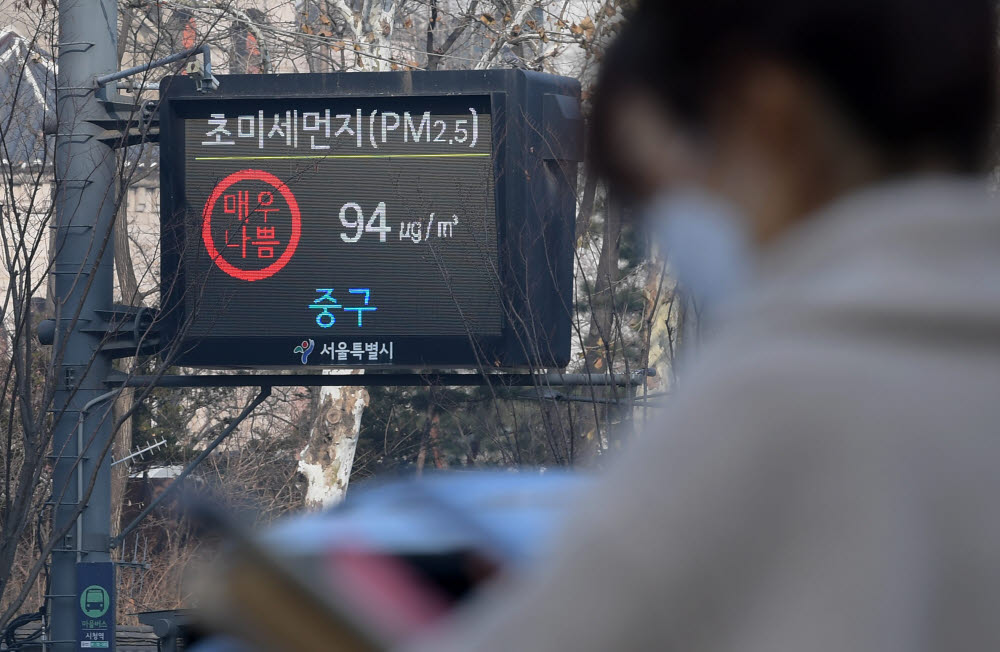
328,456
663,324
599,343
431,437
586,203
128,286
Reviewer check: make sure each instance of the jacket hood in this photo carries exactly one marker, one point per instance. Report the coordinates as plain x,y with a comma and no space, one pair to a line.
920,256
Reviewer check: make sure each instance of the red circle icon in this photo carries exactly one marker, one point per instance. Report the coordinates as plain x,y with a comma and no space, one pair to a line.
296,221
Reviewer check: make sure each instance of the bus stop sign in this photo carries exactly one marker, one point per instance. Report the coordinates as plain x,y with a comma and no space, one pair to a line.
95,589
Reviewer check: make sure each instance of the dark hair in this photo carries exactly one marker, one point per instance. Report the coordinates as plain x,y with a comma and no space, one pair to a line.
913,76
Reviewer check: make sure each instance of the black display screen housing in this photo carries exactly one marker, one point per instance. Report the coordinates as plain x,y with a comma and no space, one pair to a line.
420,220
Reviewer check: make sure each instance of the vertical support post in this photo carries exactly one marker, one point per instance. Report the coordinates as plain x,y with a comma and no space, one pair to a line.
83,255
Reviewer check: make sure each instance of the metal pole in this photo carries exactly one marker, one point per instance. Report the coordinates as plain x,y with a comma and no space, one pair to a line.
83,255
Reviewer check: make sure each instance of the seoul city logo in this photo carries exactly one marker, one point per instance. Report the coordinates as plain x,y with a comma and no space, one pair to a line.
305,349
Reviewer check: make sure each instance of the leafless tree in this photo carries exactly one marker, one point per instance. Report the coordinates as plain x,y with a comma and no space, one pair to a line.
625,309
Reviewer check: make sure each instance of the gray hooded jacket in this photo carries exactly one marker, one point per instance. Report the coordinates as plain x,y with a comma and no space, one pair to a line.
826,477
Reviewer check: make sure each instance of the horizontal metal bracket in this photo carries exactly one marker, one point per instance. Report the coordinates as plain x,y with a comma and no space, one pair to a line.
128,123
124,331
380,379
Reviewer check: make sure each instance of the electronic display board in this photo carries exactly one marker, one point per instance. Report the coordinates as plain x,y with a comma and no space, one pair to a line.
332,220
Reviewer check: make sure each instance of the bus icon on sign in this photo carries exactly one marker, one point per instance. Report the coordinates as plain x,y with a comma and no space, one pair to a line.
95,601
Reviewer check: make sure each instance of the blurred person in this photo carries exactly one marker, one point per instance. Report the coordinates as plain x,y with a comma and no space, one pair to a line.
826,475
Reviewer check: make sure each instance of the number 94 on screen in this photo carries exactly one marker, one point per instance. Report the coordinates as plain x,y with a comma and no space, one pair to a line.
357,224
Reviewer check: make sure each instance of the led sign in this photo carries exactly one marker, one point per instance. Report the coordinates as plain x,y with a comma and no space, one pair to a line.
394,219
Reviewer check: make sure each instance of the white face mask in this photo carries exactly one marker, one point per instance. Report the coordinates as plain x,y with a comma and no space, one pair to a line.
706,244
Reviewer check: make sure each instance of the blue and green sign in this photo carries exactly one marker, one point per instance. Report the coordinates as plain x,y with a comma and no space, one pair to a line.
95,588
